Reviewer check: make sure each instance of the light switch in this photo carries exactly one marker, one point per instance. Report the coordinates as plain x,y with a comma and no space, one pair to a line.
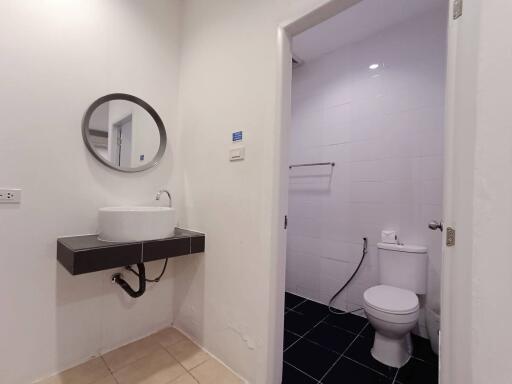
236,154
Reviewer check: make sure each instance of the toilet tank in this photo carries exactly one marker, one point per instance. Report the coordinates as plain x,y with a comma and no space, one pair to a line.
403,266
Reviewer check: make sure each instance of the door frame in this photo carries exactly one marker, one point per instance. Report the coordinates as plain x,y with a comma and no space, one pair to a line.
451,293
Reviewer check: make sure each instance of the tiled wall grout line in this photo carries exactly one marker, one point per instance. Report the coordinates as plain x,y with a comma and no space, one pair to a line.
293,333
294,311
304,335
105,362
155,347
396,375
198,365
142,357
422,360
137,359
301,371
346,330
291,309
186,370
295,306
346,349
363,365
346,360
113,377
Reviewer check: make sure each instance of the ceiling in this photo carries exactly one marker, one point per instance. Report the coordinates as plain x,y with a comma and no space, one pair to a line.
361,20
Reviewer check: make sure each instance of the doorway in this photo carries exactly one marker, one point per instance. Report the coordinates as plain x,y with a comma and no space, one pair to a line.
122,145
365,155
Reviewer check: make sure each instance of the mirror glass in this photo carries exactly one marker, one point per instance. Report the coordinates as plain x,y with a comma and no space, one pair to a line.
124,133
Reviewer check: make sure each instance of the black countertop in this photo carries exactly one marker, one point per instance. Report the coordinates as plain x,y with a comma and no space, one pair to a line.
87,253
83,242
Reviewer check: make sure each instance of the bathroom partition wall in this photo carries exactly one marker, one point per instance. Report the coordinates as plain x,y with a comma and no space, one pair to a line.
383,128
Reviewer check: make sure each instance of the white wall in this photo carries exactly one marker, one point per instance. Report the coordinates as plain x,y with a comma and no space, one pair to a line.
477,345
228,83
384,130
491,279
58,57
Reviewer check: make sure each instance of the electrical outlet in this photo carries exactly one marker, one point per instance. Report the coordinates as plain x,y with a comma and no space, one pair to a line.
10,195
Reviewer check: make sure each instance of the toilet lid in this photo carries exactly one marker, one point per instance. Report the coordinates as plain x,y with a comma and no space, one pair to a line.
391,299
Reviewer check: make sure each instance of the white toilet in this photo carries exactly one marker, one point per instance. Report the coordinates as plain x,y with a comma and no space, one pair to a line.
393,307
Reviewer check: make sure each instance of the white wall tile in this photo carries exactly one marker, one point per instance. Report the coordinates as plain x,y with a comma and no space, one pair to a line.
307,244
366,150
341,251
399,192
368,128
338,114
301,225
400,169
384,130
336,229
336,269
432,191
431,167
367,171
329,287
367,192
431,142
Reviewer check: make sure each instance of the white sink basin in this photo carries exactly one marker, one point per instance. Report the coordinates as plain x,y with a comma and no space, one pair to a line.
136,223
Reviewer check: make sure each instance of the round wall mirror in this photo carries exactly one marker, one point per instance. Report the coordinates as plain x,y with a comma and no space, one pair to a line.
124,133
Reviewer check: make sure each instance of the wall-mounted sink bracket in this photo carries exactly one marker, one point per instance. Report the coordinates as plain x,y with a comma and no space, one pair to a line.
85,254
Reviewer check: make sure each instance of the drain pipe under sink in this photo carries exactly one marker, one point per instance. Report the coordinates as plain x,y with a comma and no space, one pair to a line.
118,279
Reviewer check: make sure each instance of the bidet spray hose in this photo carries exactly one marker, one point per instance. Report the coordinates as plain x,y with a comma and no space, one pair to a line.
365,251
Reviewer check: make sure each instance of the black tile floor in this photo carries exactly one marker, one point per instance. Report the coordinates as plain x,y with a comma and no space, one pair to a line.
320,347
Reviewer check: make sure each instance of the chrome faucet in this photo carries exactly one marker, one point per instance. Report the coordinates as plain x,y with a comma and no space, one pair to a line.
168,194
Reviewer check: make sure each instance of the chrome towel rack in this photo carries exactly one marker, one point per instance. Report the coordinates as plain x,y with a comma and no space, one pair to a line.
311,165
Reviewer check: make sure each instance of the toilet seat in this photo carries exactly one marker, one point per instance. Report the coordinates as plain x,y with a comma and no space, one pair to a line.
391,300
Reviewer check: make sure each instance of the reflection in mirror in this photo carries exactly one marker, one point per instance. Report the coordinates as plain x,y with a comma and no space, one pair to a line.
125,134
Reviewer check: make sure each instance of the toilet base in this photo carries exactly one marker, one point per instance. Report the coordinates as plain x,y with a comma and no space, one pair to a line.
392,352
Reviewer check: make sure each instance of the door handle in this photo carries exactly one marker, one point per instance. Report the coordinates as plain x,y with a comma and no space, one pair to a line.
435,225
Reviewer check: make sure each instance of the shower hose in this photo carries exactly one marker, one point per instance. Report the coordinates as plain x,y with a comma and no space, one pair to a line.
335,311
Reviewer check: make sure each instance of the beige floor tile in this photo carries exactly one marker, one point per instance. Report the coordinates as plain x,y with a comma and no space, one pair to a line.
188,354
106,380
157,368
212,372
185,379
130,353
87,373
169,336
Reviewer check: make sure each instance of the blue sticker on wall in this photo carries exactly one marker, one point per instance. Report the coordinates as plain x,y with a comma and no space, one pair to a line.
237,136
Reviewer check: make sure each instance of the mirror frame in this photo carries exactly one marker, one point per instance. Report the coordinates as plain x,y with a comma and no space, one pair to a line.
123,96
